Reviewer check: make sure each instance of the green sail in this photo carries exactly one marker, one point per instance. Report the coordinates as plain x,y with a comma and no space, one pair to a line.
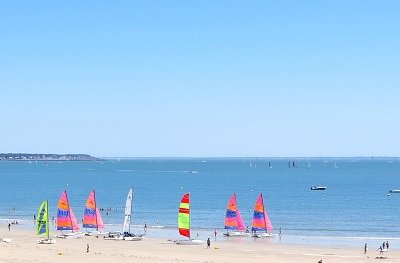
42,227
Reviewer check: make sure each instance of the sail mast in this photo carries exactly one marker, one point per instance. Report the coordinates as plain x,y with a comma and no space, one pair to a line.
69,210
47,223
95,209
130,216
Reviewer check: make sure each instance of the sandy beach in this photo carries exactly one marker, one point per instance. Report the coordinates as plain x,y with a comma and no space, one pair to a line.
24,248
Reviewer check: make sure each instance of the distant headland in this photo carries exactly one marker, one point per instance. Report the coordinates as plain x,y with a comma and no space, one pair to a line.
46,157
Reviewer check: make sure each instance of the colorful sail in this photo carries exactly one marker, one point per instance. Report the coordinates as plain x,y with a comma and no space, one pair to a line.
233,219
184,216
66,219
261,220
92,217
42,227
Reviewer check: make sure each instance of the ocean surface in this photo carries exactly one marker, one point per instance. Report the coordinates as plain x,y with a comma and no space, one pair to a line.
354,209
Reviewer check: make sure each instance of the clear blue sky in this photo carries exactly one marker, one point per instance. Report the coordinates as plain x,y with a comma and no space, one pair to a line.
200,78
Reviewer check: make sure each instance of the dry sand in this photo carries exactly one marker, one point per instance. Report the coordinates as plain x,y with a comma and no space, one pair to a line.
24,248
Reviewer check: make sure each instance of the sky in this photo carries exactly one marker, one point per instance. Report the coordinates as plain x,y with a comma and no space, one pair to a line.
200,78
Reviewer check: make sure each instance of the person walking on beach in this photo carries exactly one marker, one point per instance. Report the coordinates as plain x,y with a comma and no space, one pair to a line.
387,245
87,248
208,242
145,228
9,226
215,234
383,245
365,248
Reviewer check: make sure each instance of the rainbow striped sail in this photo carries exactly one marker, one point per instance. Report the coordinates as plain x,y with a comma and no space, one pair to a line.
42,218
184,216
233,219
66,219
92,217
261,220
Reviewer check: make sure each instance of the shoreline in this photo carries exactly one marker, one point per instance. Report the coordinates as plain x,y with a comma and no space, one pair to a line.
153,249
159,249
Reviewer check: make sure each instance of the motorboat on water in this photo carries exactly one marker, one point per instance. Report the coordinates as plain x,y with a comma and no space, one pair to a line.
321,188
395,191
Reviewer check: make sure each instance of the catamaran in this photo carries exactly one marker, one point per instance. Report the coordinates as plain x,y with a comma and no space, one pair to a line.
261,220
66,219
184,223
233,219
126,229
92,217
42,226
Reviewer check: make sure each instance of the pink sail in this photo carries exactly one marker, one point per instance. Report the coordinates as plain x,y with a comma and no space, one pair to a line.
100,223
74,222
268,224
240,222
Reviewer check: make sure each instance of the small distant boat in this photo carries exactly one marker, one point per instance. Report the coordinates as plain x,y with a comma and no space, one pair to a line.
66,219
321,188
261,220
92,217
42,226
233,219
395,191
184,223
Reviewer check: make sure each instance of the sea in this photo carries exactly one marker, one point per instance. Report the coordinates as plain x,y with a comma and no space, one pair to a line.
356,207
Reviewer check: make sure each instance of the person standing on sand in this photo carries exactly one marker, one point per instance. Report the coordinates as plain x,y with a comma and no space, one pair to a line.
87,248
9,226
215,234
365,248
387,245
145,228
208,242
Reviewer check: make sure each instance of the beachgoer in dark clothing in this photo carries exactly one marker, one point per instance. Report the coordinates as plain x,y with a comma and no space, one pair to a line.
87,248
365,248
9,227
320,261
383,245
145,228
215,234
208,242
387,245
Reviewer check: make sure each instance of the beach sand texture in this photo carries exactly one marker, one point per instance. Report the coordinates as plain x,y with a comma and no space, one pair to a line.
24,248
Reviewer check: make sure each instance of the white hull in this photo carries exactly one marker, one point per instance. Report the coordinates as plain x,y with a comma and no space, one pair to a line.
236,234
47,241
189,242
135,238
6,240
96,233
264,235
72,235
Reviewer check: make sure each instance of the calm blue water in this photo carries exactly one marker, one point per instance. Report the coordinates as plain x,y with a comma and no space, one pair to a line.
355,205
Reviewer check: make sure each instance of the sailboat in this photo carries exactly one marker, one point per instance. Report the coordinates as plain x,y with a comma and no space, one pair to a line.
184,223
233,219
66,219
42,226
261,220
92,217
126,229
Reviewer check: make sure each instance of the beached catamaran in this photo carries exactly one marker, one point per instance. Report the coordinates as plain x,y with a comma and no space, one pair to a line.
126,229
92,217
66,219
42,226
233,219
261,220
184,223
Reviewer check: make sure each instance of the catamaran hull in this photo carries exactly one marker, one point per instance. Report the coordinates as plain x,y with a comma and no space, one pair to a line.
189,242
235,234
263,235
72,235
47,241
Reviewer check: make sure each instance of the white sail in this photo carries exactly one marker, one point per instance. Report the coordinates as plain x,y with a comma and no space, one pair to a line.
128,212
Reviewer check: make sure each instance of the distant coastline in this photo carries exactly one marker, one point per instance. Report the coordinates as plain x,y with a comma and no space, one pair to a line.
46,157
